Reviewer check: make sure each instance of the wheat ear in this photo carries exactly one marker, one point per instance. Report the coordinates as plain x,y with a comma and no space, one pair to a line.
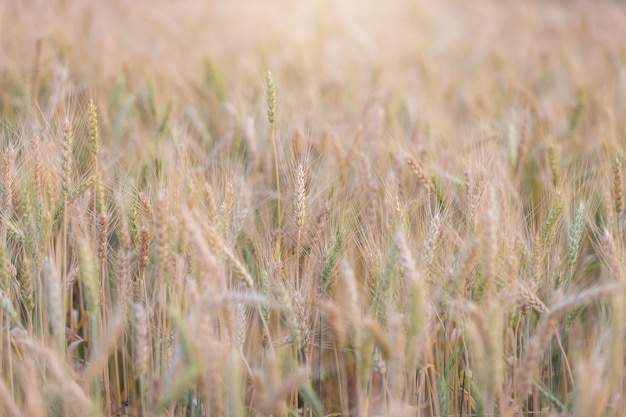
271,117
299,214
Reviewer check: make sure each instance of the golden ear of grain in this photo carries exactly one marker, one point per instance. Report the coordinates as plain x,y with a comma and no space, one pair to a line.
7,181
530,300
102,234
67,159
145,239
420,174
94,132
145,209
299,203
38,168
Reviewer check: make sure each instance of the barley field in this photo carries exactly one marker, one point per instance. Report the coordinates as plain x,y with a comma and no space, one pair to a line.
312,208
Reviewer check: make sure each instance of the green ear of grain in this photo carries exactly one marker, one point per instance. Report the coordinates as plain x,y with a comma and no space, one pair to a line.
383,283
575,239
331,262
551,398
72,195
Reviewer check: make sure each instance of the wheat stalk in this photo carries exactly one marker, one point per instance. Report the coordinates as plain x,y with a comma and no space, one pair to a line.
618,187
271,117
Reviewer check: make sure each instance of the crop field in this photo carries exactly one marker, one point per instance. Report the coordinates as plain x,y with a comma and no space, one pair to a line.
314,208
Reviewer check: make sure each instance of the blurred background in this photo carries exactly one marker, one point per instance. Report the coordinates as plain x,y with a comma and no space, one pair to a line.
460,65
